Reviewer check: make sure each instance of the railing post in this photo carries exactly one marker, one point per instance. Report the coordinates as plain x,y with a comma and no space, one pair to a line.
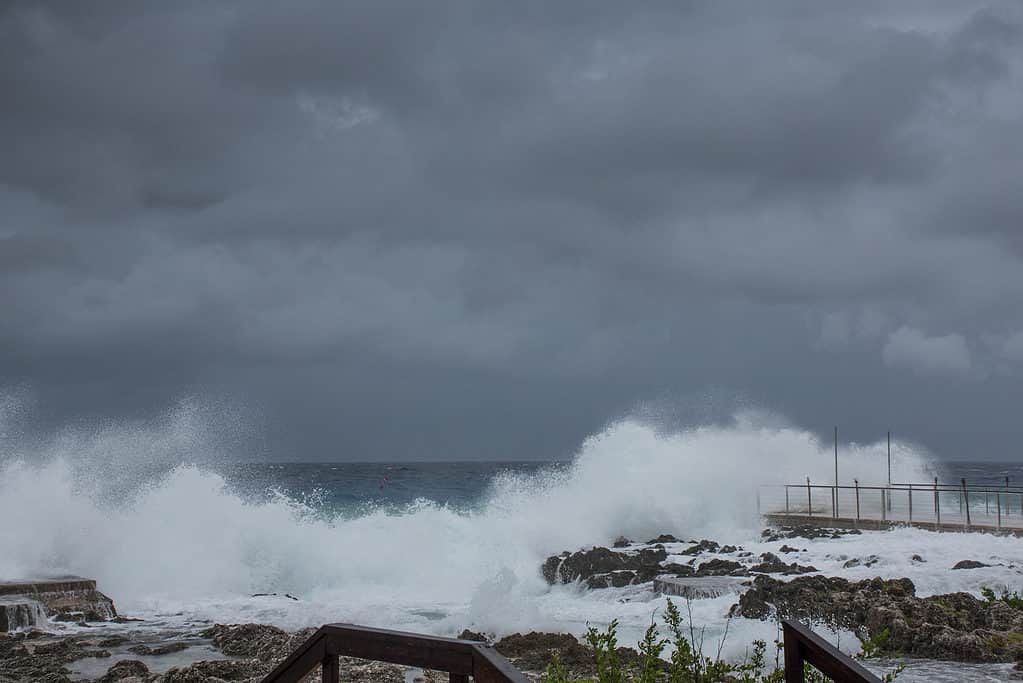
998,503
884,509
834,502
911,503
937,504
856,483
330,669
786,500
809,499
966,498
793,657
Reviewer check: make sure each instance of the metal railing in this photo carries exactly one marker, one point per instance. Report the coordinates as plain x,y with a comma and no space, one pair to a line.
933,503
803,646
460,658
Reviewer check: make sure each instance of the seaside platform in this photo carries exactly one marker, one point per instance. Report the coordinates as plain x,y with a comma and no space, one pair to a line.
30,602
932,506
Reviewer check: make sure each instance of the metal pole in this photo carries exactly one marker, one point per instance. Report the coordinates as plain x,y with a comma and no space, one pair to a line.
856,483
937,504
809,500
889,458
834,495
884,502
786,500
910,502
998,502
966,497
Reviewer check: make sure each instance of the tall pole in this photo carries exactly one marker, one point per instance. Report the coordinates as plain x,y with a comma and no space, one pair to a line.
836,472
889,459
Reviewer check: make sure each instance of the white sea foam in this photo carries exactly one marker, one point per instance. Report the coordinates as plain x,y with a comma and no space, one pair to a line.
182,547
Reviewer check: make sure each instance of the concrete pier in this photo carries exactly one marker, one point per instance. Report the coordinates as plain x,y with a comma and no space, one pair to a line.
66,598
697,587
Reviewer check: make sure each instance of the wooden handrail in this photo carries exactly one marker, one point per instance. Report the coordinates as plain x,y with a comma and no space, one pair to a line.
803,645
460,658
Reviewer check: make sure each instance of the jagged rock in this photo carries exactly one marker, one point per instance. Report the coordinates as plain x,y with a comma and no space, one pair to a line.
532,652
788,549
857,562
125,670
473,635
772,564
805,531
663,538
727,549
703,546
622,542
719,567
604,566
956,626
679,569
969,564
917,558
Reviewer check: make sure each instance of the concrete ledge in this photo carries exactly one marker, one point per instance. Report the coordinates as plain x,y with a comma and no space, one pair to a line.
64,598
825,522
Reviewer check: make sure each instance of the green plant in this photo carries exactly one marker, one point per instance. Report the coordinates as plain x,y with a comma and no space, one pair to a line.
1013,600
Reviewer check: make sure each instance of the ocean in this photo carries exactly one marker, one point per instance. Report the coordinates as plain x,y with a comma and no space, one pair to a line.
180,540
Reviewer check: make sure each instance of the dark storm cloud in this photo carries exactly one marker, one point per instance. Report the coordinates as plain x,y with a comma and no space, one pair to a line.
458,230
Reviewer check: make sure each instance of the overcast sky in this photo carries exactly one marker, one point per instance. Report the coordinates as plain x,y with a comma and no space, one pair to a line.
461,230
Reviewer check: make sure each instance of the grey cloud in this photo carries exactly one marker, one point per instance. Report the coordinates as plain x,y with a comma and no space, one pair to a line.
518,221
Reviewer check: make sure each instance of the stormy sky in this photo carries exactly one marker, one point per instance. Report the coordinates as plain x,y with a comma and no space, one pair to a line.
464,230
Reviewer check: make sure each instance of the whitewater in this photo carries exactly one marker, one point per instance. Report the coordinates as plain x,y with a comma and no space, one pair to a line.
147,512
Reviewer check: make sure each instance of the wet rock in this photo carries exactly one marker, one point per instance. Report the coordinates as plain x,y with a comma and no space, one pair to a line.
719,567
703,546
664,538
806,531
969,564
474,636
605,567
865,562
956,626
165,649
532,652
622,542
772,564
788,549
728,549
126,670
917,558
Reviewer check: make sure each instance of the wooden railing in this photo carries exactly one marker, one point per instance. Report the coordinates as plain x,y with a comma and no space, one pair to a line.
465,658
804,646
460,658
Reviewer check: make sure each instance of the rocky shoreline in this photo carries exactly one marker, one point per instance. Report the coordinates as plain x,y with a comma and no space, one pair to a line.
767,586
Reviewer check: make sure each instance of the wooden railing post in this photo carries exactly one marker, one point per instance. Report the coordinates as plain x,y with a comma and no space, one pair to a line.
793,655
330,670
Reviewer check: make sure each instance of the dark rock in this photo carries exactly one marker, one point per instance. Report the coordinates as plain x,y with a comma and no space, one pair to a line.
622,542
703,546
128,668
866,562
917,558
534,651
956,626
663,538
727,549
719,567
473,635
772,564
788,549
158,650
603,566
678,569
806,531
969,564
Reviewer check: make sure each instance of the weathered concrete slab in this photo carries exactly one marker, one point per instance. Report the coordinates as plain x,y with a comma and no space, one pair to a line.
698,587
65,598
780,519
17,612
